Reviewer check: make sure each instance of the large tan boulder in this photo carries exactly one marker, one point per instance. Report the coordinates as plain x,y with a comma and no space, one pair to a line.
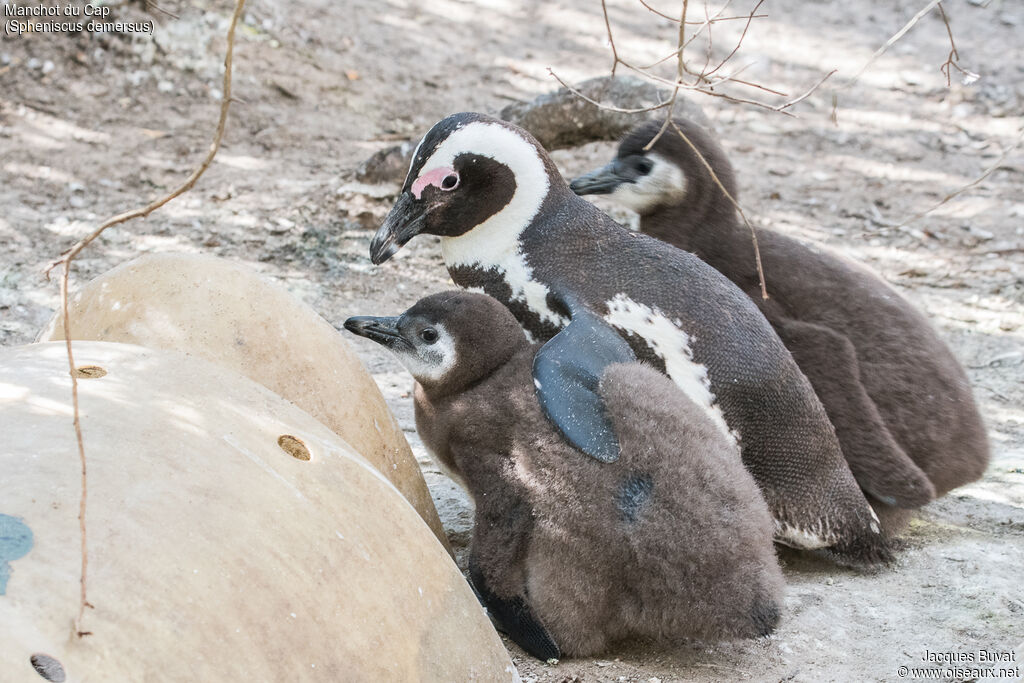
226,313
217,552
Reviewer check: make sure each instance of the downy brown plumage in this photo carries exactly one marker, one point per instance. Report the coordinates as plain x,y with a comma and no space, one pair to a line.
899,400
673,540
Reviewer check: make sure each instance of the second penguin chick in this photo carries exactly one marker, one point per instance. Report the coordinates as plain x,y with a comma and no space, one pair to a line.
900,402
671,541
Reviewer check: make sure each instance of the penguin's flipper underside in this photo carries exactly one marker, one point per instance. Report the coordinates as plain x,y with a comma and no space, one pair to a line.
514,618
567,371
880,466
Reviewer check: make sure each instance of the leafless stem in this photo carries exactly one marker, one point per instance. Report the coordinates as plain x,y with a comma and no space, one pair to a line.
68,256
680,70
703,82
601,105
985,174
732,200
807,94
700,28
611,40
710,45
952,61
739,42
714,19
889,43
158,8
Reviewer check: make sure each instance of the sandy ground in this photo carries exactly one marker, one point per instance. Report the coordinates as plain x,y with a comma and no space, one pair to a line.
93,124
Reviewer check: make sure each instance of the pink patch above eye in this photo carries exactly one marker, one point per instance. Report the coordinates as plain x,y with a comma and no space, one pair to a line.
430,178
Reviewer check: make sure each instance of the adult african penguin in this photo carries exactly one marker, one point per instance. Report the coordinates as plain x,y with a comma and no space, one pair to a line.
899,400
510,226
672,540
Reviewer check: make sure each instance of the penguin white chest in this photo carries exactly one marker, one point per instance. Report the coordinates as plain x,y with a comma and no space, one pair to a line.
672,344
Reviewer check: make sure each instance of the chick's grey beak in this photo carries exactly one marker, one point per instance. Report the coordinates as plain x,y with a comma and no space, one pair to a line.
382,330
602,181
403,222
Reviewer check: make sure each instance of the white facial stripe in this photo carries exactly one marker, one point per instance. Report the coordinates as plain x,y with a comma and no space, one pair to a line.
672,345
665,184
430,362
494,244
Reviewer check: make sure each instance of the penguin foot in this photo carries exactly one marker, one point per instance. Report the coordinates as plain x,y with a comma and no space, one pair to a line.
765,616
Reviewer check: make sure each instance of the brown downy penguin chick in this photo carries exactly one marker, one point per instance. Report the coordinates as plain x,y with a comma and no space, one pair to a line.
899,400
672,540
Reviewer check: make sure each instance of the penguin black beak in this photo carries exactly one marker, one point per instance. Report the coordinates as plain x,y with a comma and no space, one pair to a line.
382,330
602,181
403,222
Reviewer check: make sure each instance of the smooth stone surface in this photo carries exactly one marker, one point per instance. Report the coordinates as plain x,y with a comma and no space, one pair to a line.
215,554
224,312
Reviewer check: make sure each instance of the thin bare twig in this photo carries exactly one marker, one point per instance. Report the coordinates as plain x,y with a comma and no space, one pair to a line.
680,70
696,34
739,42
65,261
732,200
602,105
677,85
710,46
985,174
158,8
807,94
714,19
611,40
952,61
702,83
889,43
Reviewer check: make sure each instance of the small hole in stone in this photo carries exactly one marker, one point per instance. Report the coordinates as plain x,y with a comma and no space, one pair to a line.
293,447
89,372
48,667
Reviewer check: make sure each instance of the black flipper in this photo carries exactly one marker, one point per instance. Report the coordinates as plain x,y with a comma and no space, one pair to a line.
566,373
514,618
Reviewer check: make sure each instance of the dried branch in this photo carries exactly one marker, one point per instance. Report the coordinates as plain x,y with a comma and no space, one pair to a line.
602,105
985,174
696,34
680,70
739,42
714,19
611,40
68,256
158,8
889,43
732,200
807,94
952,61
703,82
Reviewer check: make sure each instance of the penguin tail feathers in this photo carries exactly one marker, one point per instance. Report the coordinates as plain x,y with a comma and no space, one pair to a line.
862,552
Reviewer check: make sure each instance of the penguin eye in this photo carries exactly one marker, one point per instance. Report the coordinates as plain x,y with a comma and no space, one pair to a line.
644,166
429,335
450,182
